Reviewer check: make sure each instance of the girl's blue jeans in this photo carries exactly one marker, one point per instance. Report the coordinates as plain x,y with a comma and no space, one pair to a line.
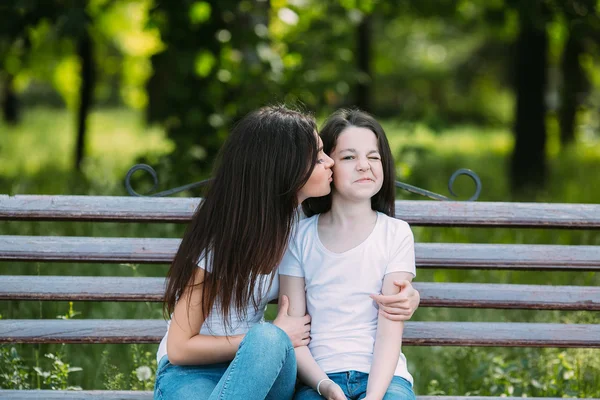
263,368
354,385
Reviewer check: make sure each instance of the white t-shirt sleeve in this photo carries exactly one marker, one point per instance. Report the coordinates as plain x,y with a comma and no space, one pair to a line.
402,258
291,264
205,262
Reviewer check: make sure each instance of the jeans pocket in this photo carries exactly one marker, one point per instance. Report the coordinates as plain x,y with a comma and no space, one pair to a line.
162,366
401,388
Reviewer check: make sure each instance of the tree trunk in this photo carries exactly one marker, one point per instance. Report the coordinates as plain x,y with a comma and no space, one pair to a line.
574,87
10,102
85,51
363,60
528,167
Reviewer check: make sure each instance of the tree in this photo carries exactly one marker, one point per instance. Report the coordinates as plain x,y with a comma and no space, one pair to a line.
69,20
10,101
528,163
217,65
363,63
85,51
583,25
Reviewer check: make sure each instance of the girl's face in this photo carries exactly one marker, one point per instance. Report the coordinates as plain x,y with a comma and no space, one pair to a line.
319,182
358,171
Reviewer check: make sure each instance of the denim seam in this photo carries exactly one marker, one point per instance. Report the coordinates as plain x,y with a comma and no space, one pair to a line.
226,383
160,395
234,365
161,369
157,378
161,372
283,361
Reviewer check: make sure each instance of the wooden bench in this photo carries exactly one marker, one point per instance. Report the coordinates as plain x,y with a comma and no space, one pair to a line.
547,257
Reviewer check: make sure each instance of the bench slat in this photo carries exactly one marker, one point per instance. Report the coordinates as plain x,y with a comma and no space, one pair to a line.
415,333
442,213
465,295
437,255
76,394
148,395
509,296
81,288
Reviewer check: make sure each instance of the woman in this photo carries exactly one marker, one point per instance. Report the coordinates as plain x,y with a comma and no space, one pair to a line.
223,275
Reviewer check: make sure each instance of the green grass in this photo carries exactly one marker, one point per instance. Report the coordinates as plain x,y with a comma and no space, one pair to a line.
36,158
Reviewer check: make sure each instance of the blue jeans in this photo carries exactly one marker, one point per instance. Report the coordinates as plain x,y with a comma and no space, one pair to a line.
263,368
354,385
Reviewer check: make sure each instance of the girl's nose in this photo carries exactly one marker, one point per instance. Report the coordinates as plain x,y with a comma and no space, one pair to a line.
363,164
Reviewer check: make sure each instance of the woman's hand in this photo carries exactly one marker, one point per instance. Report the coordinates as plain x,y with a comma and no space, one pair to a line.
332,391
297,328
401,306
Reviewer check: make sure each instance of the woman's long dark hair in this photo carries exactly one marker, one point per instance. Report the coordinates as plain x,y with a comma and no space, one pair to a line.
384,200
244,222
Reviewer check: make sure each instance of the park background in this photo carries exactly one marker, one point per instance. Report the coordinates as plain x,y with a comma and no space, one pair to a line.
507,88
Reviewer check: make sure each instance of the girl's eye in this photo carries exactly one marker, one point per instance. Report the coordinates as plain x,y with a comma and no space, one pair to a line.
374,158
348,158
320,161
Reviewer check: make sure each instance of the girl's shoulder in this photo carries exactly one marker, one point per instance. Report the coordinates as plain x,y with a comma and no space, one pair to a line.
394,230
395,224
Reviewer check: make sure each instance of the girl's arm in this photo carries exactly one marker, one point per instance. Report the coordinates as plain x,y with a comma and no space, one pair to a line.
308,370
186,346
388,343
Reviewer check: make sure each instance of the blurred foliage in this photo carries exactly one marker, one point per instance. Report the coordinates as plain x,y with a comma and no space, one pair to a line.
197,66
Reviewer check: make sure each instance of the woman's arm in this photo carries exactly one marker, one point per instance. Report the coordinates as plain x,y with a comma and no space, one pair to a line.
399,306
308,370
388,343
185,345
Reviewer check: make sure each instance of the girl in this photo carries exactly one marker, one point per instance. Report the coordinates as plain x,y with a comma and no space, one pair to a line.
351,247
222,277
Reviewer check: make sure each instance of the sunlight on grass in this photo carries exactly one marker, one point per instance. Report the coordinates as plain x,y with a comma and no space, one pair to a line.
46,140
119,137
462,140
43,139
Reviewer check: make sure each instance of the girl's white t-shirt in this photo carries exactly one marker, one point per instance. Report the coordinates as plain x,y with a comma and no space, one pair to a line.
239,325
338,285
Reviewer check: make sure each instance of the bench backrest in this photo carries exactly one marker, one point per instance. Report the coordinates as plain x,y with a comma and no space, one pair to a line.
549,257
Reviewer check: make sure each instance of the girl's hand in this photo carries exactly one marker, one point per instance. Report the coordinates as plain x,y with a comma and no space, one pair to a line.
297,328
331,391
401,306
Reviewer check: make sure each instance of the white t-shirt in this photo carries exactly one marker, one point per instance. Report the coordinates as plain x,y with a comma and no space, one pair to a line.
213,325
338,285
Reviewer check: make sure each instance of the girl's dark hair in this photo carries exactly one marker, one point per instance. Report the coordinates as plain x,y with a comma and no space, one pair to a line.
384,200
243,224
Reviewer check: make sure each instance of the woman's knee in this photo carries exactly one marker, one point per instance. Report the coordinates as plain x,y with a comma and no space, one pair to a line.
186,382
269,336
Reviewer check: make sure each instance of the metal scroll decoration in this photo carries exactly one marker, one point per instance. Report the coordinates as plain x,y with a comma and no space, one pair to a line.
435,196
152,172
402,185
